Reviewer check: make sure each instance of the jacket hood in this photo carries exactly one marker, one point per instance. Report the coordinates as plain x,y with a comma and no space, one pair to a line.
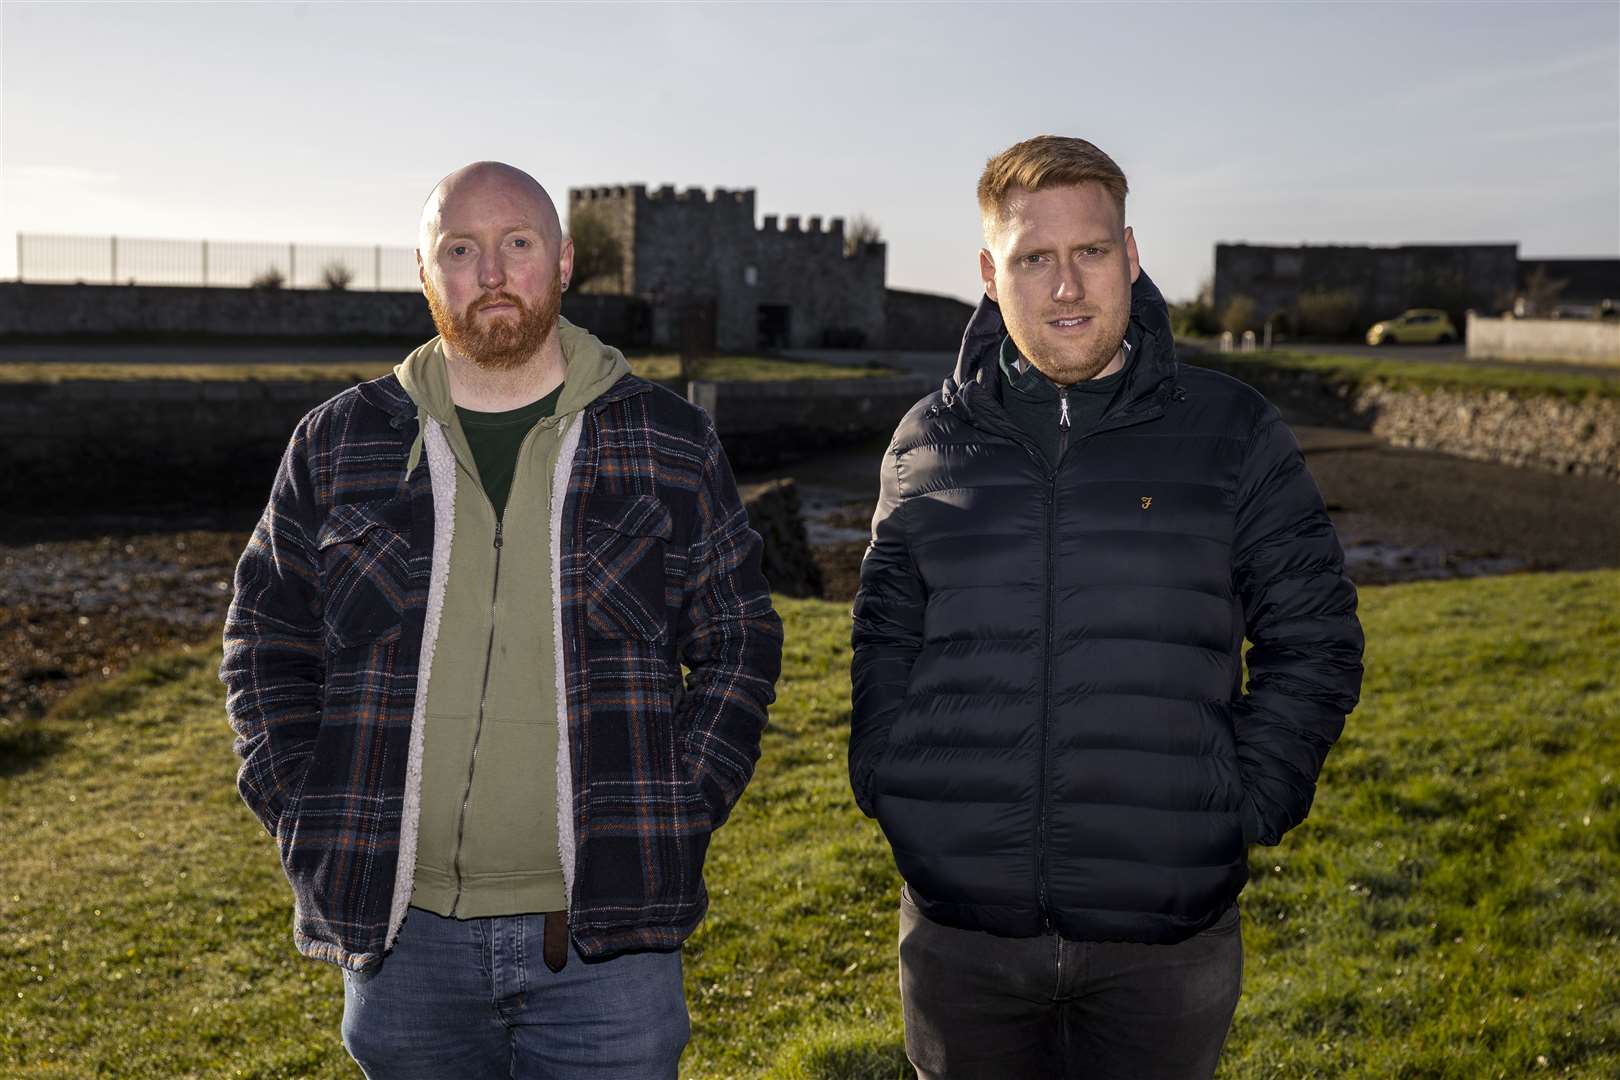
976,363
591,367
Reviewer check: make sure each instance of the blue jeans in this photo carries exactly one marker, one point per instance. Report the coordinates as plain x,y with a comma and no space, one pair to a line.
472,998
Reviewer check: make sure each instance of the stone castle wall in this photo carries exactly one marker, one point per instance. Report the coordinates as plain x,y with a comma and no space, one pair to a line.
693,247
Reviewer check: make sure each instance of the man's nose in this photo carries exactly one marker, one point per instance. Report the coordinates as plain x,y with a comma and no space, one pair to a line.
1068,286
491,272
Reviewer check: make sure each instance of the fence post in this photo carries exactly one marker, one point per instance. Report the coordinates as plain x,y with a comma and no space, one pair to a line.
292,266
113,248
19,258
376,268
205,263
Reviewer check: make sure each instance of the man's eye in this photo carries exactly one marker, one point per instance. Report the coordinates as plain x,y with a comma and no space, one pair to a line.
1031,260
520,241
1092,252
459,249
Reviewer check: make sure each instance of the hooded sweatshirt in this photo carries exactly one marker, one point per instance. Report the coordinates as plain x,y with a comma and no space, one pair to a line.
488,841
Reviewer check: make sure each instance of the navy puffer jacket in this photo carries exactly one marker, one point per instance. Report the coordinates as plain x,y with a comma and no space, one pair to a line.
1049,718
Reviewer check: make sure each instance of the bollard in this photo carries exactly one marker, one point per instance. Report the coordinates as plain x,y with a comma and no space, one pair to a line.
1226,341
1248,341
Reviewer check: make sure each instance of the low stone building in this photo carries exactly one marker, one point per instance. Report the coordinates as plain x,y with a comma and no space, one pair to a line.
1378,281
711,276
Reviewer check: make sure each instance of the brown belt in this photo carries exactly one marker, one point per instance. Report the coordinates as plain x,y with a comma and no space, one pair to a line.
554,947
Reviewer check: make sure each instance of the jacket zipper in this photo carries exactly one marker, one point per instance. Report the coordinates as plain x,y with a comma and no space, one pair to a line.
1065,423
478,726
1126,419
1046,693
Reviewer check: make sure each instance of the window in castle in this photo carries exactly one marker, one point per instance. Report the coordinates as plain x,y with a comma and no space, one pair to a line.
750,276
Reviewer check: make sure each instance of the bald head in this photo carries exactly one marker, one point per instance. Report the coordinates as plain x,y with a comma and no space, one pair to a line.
486,193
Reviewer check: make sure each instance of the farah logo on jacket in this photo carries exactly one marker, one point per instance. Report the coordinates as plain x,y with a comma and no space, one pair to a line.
1147,501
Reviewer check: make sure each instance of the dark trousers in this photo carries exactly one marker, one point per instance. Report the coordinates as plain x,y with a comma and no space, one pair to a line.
981,1006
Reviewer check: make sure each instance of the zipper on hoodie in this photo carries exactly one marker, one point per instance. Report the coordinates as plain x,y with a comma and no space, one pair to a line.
478,726
489,658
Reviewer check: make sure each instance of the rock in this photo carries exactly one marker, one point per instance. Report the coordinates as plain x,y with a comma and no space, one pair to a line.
773,511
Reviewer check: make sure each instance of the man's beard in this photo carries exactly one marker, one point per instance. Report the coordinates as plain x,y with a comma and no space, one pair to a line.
1067,368
501,344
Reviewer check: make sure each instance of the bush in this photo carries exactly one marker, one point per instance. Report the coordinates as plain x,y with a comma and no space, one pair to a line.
336,276
268,279
1329,313
1240,315
1196,318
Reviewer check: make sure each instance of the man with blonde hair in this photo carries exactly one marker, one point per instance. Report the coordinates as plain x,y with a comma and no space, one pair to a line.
1073,538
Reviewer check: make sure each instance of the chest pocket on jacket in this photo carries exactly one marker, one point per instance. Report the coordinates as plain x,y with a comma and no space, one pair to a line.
626,537
364,567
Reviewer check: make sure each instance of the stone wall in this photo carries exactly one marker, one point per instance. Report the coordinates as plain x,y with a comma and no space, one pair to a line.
1536,431
923,322
126,444
766,423
136,313
159,313
1584,341
112,445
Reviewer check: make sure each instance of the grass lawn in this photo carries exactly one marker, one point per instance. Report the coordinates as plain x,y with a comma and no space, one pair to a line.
658,366
1423,375
1452,908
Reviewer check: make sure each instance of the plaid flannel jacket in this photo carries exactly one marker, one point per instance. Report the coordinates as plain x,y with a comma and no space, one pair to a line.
659,568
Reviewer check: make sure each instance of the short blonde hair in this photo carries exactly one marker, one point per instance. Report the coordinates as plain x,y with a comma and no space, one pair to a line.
1042,162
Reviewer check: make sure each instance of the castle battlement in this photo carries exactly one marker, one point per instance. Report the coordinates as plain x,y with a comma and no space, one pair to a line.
790,225
778,281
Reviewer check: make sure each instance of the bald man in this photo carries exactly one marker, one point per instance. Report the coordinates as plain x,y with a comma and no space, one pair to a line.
453,661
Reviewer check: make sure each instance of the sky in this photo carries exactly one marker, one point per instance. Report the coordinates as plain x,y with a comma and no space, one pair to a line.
1278,123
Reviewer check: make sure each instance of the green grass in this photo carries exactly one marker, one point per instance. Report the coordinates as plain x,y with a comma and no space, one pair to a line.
1451,909
658,366
1360,370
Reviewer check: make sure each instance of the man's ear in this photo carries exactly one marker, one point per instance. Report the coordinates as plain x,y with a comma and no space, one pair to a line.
565,260
1130,254
987,273
421,271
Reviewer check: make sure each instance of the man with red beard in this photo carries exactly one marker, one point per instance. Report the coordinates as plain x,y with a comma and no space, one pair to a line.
453,661
1074,536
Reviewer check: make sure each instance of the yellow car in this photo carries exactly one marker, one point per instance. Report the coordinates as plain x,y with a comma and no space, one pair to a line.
1417,326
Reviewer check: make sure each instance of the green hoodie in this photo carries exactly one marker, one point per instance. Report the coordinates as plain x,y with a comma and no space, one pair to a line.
487,837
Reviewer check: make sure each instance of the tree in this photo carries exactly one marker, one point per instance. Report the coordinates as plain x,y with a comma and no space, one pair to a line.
860,231
597,253
270,278
336,275
1241,314
1540,293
